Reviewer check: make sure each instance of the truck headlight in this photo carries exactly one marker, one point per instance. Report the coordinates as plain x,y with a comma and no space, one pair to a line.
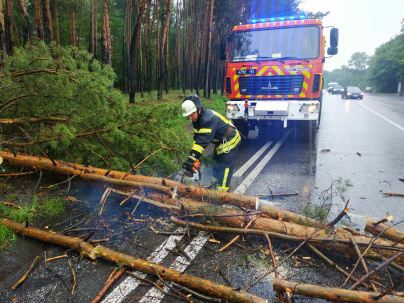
232,108
311,108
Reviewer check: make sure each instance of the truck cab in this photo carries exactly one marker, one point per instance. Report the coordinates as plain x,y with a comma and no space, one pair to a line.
274,73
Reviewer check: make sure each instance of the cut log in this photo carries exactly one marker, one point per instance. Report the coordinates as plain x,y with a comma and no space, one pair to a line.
187,280
158,184
390,233
331,293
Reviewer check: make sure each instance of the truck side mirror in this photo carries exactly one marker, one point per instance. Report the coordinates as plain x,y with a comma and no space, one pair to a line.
223,48
334,37
333,50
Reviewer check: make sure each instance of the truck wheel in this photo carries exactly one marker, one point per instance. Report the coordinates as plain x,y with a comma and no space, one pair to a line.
306,131
242,126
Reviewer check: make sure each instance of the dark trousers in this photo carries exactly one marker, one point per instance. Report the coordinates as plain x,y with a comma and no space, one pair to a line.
223,170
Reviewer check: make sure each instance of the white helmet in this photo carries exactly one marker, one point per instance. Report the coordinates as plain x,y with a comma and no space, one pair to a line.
188,107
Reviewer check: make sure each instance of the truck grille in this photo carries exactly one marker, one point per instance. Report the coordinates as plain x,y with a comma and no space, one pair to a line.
271,85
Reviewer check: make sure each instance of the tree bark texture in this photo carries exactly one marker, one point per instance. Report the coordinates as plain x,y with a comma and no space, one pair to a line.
57,32
9,27
101,252
106,34
389,232
3,46
164,34
49,19
331,293
132,52
27,23
39,19
208,44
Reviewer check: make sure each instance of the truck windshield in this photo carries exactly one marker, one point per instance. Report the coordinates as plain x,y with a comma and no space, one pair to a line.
275,44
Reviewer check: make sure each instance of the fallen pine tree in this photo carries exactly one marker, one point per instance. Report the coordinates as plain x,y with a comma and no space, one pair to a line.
101,252
160,190
331,293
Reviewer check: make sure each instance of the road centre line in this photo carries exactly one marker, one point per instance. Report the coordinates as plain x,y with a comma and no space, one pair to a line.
250,162
180,264
120,292
130,283
241,189
388,120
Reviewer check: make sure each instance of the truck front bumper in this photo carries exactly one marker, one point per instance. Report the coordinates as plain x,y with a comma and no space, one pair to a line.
273,110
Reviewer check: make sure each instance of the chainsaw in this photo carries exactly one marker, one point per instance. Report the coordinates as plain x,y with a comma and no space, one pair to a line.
189,177
193,177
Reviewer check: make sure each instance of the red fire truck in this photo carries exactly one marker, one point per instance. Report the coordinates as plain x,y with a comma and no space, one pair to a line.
274,73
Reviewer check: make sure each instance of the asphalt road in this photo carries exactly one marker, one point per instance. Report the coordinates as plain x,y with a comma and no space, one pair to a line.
278,164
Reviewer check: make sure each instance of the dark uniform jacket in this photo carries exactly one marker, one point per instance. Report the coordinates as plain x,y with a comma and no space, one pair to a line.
213,127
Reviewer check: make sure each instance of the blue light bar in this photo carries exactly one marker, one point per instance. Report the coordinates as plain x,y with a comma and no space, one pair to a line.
292,17
302,17
282,18
253,21
262,20
272,19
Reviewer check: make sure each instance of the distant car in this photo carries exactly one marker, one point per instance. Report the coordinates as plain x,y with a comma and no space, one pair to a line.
331,86
368,89
338,89
352,92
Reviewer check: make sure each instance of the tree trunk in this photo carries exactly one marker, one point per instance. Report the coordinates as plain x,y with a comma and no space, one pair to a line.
101,252
3,45
91,34
163,72
149,49
156,8
389,232
160,190
132,52
74,24
95,28
49,20
57,25
81,23
38,18
331,293
27,24
106,34
9,28
207,57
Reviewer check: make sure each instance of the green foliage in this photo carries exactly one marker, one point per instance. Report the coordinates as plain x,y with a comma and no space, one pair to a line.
328,199
6,234
101,128
359,61
387,65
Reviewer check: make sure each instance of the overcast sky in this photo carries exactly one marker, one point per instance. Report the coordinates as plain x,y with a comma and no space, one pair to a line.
363,25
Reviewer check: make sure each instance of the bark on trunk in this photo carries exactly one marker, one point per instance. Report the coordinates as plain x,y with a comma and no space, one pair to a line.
2,30
331,293
57,33
132,52
163,72
27,24
106,36
9,27
49,19
101,252
39,19
390,233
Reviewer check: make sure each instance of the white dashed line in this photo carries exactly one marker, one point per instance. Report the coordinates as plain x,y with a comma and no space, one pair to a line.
250,162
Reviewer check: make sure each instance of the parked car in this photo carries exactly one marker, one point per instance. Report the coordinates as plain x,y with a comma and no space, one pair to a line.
368,89
331,86
338,89
352,92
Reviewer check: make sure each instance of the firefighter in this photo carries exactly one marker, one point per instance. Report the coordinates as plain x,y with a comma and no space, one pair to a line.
209,126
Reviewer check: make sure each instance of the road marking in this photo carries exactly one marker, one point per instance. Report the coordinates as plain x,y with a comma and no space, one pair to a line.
251,177
181,263
388,120
130,283
250,162
154,295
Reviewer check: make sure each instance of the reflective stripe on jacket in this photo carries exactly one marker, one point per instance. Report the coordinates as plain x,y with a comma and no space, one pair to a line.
211,127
